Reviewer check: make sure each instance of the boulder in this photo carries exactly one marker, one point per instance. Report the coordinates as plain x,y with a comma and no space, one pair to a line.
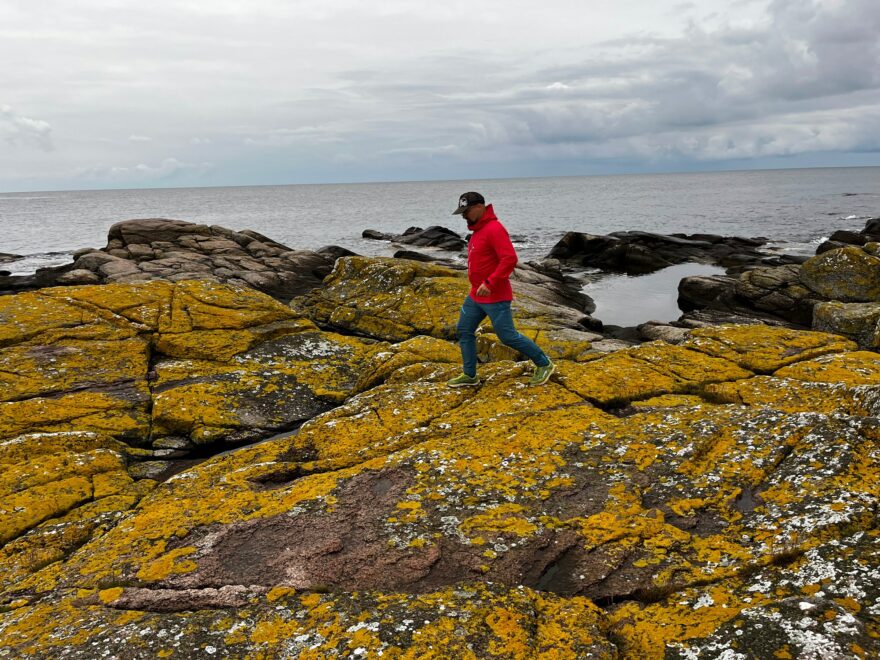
849,274
858,321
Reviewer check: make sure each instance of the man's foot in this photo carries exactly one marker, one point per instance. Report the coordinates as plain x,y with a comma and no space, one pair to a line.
542,374
463,381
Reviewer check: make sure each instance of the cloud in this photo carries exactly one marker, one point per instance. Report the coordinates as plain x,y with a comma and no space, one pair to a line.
805,78
169,168
18,130
401,91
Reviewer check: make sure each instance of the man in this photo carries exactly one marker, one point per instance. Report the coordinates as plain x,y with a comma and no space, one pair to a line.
491,259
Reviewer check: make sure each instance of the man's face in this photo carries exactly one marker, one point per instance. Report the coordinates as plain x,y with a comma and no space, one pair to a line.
474,213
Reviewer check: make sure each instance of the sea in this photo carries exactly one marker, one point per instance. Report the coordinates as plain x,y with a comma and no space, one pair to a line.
795,208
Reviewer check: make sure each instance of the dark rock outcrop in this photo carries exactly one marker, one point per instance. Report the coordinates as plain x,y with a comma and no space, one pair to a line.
838,290
845,237
434,236
638,252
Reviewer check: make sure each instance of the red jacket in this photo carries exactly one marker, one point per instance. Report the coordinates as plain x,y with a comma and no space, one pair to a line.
491,258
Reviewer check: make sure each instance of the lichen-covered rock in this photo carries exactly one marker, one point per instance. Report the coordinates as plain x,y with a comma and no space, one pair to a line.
152,362
764,349
57,491
471,621
646,371
818,603
271,387
858,321
394,300
849,274
691,491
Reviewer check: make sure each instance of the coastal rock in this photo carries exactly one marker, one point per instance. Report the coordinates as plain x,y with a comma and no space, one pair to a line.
842,238
146,363
793,293
395,300
173,250
859,321
620,510
59,491
848,275
637,252
434,236
714,495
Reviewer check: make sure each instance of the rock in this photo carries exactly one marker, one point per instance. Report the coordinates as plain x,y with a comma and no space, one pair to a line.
395,300
434,236
5,257
849,237
699,291
412,255
849,275
172,250
200,361
78,276
773,295
717,496
858,321
636,252
658,330
667,528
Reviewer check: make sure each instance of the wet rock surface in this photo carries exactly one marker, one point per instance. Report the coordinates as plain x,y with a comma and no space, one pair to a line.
714,497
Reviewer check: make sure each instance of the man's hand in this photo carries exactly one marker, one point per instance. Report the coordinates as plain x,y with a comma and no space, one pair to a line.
484,291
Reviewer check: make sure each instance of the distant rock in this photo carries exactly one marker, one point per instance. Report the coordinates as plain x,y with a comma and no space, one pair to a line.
172,250
638,252
845,237
434,236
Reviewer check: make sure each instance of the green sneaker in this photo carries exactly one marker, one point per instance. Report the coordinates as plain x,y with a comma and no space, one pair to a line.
542,374
463,381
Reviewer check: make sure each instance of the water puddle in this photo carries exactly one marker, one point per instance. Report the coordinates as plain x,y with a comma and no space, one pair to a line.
628,300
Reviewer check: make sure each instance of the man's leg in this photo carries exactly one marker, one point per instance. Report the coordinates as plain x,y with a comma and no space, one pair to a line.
468,321
502,322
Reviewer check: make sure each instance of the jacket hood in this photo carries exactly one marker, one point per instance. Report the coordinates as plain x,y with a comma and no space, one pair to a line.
488,216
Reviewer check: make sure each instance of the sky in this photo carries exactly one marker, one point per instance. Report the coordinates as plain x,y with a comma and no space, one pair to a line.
118,94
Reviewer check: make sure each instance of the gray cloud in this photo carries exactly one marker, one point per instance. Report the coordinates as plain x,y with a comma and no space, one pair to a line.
18,130
272,91
807,80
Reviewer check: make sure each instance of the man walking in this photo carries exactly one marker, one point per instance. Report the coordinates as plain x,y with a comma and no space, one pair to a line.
491,259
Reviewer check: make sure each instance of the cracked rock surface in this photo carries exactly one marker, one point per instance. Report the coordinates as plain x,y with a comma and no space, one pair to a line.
715,498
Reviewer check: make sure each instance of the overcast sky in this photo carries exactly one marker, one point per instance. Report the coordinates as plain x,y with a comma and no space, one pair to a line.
117,94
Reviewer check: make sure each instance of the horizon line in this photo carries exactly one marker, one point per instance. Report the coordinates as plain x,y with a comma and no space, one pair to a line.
404,181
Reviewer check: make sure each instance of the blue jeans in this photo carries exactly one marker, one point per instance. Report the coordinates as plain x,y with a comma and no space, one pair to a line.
472,313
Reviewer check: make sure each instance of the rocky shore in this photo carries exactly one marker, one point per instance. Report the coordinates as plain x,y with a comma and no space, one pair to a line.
214,445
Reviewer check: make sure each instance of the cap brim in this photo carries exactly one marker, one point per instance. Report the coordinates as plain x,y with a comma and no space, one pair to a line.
461,210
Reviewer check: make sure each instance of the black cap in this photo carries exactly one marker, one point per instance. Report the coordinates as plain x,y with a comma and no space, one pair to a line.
468,200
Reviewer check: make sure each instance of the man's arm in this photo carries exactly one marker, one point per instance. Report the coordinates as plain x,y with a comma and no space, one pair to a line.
500,241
